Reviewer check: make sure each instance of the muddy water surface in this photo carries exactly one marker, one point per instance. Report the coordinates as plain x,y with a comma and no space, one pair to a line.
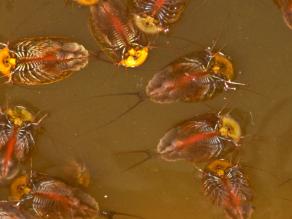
253,34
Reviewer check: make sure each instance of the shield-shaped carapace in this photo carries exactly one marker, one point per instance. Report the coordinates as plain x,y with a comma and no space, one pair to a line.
286,9
228,187
116,33
17,125
191,78
155,16
41,60
200,139
54,199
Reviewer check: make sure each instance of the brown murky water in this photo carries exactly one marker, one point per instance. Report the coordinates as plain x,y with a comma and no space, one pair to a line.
254,35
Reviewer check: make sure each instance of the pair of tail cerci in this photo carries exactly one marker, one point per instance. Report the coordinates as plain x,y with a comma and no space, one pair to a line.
33,194
204,138
122,37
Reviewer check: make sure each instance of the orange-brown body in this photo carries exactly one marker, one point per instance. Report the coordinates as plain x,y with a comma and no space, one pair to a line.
227,187
116,34
41,60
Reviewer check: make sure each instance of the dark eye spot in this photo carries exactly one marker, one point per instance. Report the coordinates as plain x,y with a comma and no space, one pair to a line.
20,188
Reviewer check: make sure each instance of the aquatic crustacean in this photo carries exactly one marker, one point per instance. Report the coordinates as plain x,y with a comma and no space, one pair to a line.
72,170
17,125
200,139
54,199
155,16
286,9
77,173
190,78
117,35
41,60
9,210
228,187
196,76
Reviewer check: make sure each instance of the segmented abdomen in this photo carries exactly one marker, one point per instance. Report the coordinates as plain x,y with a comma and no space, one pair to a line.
25,141
6,130
113,29
165,11
24,138
185,79
46,60
174,146
230,191
57,200
52,198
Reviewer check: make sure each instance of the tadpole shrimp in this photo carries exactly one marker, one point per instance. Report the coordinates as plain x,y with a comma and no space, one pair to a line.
17,127
195,77
155,16
41,60
200,139
228,187
52,198
117,35
286,8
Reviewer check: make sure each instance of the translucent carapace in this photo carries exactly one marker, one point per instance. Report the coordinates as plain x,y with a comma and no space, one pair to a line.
41,60
17,138
228,187
193,77
196,140
155,16
116,34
